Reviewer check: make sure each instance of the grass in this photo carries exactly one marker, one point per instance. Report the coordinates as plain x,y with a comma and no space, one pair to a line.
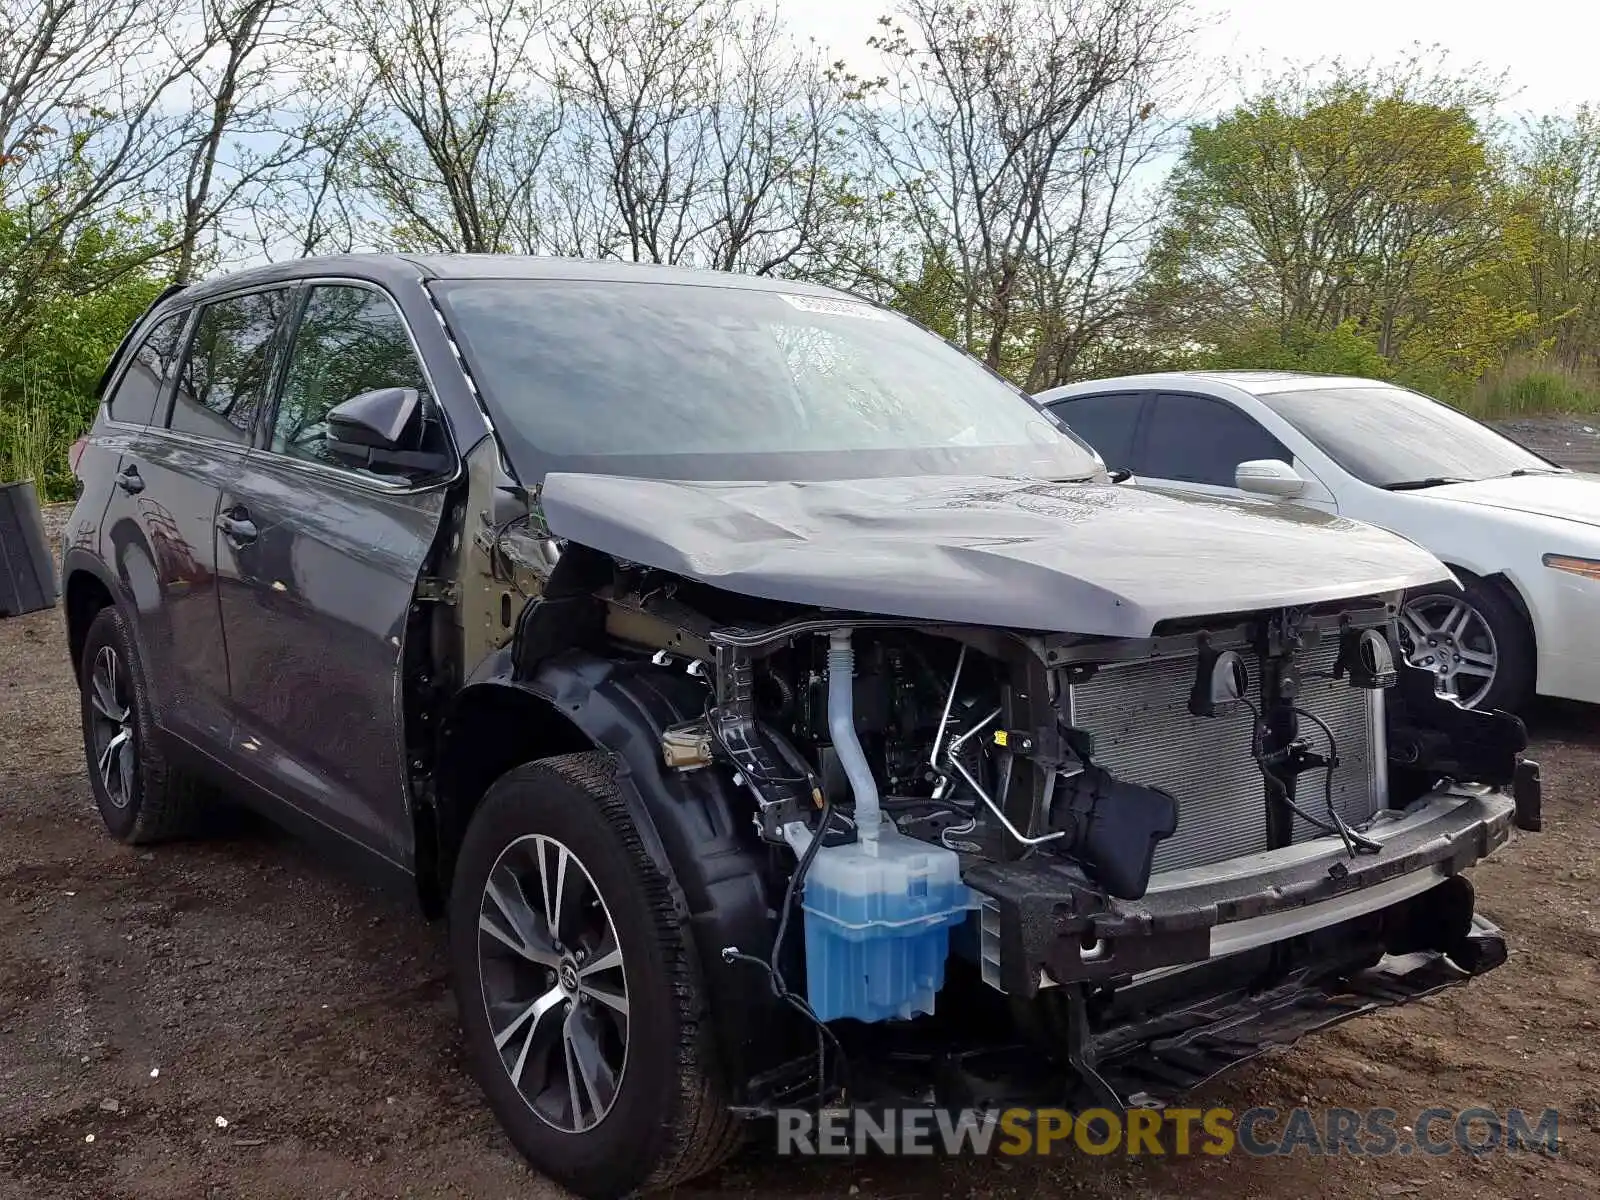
1531,388
32,445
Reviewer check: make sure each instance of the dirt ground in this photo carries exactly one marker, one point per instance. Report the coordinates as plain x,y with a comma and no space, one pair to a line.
234,1018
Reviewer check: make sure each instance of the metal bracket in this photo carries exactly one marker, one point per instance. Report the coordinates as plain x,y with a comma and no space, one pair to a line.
436,591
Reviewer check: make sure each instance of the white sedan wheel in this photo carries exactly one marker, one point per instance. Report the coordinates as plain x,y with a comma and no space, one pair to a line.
1451,638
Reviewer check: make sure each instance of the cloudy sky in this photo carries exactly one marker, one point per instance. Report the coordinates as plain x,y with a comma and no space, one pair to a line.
1547,47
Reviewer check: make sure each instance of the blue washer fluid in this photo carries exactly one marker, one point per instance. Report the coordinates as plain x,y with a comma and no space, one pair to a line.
878,926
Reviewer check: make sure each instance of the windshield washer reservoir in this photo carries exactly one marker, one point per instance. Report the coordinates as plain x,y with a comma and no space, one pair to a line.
878,926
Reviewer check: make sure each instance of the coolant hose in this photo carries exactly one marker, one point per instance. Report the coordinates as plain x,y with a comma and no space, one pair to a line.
842,729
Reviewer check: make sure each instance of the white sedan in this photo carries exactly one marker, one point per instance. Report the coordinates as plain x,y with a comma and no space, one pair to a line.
1521,533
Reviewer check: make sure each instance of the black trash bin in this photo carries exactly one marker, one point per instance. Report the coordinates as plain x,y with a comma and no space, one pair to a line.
27,568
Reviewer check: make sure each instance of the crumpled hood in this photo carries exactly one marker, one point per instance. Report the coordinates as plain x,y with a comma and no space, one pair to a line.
1573,497
1069,558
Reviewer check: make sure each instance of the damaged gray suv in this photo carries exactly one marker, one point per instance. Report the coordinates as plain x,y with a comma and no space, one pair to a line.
780,708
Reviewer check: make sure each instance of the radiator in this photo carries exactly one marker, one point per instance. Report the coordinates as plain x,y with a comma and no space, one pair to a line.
1144,732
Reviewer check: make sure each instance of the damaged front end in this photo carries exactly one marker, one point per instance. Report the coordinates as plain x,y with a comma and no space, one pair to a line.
1006,866
1176,852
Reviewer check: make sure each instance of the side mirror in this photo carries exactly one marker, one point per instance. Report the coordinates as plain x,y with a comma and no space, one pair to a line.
1269,477
386,418
382,429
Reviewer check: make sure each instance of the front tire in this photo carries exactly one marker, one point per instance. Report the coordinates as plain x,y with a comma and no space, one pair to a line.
580,1008
1475,642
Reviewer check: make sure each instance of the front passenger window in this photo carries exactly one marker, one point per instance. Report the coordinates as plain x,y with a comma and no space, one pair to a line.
350,340
1195,439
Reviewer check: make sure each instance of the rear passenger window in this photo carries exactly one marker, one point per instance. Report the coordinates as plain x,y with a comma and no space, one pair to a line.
350,340
1106,422
226,375
149,369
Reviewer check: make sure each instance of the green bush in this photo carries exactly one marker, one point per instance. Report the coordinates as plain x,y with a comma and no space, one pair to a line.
1343,350
67,300
47,384
33,445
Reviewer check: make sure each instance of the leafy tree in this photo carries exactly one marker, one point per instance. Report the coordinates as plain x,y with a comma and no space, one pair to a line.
1342,350
47,379
1370,203
1557,184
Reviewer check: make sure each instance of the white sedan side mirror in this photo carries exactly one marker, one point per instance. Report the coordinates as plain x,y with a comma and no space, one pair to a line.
1269,477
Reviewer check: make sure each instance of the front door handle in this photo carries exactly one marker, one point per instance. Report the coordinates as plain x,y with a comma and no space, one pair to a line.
237,527
129,480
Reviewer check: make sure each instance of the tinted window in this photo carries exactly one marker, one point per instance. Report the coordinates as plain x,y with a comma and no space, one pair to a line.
1106,422
1386,435
350,340
1199,440
228,370
149,369
670,380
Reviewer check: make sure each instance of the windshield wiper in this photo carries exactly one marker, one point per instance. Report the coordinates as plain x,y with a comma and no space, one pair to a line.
1412,485
1521,471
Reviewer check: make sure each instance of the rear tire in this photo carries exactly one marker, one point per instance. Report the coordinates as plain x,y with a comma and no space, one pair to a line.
590,1042
1453,631
142,798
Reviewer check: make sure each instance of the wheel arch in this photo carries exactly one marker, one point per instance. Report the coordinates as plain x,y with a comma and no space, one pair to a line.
489,727
695,825
1506,586
1500,587
85,591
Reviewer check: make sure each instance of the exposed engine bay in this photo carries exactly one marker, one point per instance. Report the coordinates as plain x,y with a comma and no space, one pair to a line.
913,728
995,841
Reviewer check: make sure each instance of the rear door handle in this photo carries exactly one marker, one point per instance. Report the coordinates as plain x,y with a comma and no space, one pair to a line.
129,480
237,527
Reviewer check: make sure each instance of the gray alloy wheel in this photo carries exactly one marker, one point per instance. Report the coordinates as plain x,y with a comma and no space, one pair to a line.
1448,636
578,987
116,746
554,990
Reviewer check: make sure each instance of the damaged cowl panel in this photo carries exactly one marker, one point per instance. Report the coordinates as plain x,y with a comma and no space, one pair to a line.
1079,558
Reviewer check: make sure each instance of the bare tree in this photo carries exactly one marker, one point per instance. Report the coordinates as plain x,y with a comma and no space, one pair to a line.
452,149
779,163
636,162
698,132
314,204
1012,132
86,128
245,131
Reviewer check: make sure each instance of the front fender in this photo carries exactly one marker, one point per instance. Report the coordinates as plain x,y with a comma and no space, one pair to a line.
696,826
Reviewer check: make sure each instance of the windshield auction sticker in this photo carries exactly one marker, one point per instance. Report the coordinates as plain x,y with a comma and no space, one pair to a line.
1171,1132
833,307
